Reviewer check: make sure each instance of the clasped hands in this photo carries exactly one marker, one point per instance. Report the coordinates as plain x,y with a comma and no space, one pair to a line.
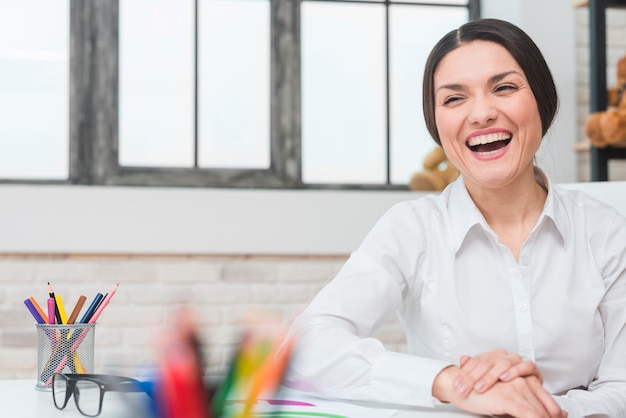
497,383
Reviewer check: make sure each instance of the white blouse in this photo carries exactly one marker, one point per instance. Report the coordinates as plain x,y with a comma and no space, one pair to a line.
437,263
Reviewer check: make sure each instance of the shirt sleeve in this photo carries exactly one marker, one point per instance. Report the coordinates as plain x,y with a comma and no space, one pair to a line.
606,395
335,354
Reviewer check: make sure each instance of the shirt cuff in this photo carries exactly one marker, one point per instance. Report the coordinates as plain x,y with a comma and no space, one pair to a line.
405,379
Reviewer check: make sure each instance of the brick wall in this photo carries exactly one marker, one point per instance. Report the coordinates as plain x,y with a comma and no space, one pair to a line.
221,290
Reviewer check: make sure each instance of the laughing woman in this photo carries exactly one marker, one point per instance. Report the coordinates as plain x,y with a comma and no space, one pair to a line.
511,290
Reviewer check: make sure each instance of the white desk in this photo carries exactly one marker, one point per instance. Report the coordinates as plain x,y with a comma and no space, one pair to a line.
20,399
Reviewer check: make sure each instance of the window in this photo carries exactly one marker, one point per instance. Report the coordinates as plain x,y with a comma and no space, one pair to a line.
361,87
249,93
34,89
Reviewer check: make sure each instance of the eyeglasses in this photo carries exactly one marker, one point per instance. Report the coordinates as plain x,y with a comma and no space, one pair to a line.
89,389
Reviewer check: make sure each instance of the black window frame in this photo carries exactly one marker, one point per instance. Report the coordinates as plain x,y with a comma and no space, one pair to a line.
93,114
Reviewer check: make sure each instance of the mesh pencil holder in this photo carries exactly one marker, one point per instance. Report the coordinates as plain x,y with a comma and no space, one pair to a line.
63,348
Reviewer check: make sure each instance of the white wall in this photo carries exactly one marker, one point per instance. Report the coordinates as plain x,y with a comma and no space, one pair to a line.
131,220
551,25
114,220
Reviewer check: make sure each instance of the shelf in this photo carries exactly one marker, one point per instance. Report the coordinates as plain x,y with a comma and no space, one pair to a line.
607,3
600,157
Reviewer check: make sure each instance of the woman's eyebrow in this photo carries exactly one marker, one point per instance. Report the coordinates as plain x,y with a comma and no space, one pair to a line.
499,77
455,87
492,80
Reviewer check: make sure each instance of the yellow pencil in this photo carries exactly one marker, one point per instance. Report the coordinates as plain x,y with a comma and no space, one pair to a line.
79,366
61,308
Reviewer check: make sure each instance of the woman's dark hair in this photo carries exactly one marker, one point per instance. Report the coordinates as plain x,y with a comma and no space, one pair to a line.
519,45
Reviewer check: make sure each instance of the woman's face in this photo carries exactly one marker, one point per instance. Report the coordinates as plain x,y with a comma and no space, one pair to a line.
486,114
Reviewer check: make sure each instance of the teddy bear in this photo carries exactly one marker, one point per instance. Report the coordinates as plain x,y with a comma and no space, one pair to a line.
438,172
609,127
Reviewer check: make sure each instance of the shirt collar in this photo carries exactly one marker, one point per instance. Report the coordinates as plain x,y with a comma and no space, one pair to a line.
462,211
464,215
554,209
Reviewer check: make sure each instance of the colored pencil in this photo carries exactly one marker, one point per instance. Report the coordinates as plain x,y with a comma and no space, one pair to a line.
103,305
76,310
33,311
41,312
91,309
61,309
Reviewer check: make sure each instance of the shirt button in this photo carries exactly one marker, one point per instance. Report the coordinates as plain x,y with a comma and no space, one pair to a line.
525,261
523,307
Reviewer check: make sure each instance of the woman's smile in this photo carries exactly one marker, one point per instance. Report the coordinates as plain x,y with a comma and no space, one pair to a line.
488,144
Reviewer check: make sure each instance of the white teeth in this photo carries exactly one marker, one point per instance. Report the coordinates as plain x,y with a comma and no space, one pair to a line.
487,139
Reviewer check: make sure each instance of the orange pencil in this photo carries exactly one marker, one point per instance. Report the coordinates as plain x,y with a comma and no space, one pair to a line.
41,312
268,376
77,308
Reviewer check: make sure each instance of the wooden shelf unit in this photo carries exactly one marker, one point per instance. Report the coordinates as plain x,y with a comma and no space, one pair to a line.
599,157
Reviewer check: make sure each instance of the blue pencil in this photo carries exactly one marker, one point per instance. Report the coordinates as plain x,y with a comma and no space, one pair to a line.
92,308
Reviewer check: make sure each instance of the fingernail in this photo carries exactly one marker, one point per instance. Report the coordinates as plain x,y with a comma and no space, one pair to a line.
479,386
504,375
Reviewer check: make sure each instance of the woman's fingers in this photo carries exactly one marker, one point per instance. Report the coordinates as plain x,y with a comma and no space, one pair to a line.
481,372
551,406
525,368
464,359
532,400
520,397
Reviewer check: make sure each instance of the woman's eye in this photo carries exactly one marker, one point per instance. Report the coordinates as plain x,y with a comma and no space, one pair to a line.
451,100
505,87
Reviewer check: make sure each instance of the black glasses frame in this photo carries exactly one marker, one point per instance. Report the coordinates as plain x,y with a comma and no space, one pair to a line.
106,383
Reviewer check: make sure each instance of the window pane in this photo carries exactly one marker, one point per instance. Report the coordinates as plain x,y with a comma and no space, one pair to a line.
455,2
414,30
156,83
343,93
234,83
34,89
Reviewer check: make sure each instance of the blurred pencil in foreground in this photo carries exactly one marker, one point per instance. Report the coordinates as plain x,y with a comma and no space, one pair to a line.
256,369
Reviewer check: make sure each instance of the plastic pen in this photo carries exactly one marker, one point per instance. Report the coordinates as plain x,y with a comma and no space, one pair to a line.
51,311
56,309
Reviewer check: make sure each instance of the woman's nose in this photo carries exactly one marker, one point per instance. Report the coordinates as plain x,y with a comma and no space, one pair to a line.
483,111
